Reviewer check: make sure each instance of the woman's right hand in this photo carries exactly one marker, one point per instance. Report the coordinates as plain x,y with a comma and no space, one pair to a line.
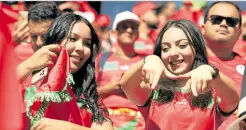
153,69
45,56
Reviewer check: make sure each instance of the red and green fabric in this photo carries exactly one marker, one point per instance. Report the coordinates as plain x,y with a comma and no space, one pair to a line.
52,97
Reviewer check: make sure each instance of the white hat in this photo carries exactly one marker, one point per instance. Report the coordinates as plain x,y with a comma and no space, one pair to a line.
241,113
123,16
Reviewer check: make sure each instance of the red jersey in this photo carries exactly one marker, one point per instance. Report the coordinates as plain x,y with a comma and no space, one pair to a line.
145,47
240,47
179,114
111,65
122,112
234,68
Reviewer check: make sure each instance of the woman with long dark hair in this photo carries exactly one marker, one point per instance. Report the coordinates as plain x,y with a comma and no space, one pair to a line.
191,93
78,42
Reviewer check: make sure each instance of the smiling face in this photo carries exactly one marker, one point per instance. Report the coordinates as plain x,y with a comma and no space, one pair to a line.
177,53
78,45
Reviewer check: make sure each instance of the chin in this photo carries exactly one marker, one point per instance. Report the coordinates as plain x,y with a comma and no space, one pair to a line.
74,68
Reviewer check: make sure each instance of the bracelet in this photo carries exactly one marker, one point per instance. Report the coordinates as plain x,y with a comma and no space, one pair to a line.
215,75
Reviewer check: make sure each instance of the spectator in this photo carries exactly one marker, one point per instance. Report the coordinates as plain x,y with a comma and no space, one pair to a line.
111,67
221,30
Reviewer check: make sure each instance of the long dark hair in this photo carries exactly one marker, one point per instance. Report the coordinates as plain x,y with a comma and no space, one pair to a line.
85,84
196,40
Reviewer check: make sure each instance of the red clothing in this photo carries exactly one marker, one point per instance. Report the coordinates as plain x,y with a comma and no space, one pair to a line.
110,66
180,115
10,98
234,68
145,47
240,47
23,51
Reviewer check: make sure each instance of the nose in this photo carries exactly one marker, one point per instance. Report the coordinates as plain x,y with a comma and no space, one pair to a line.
79,46
223,22
174,52
129,29
39,42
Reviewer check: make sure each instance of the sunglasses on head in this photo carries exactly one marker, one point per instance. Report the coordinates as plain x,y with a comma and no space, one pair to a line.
230,21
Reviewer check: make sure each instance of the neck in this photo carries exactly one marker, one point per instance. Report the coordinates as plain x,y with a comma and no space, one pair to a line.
183,84
126,50
223,51
143,31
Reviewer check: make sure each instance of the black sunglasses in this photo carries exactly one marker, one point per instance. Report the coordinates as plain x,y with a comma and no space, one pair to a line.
230,21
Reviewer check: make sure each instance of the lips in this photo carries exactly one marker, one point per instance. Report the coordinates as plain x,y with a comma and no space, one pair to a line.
76,59
175,63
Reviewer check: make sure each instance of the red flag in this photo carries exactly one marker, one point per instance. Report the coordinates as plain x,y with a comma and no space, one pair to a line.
10,98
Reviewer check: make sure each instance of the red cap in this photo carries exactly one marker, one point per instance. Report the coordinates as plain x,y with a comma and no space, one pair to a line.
143,7
102,20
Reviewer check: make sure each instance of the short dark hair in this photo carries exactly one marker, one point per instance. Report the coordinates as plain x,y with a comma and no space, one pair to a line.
228,2
43,11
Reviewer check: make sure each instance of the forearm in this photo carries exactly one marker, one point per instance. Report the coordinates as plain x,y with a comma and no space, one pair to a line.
104,91
226,91
131,82
23,70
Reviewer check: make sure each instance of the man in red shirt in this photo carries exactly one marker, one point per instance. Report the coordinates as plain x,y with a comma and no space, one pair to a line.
148,23
221,30
111,66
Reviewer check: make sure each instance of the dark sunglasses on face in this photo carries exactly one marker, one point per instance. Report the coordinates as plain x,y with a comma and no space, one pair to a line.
230,21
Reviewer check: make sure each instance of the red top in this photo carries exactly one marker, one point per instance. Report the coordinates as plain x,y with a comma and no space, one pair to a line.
113,66
145,47
180,115
234,68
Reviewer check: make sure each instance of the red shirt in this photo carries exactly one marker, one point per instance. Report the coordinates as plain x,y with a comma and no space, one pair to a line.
240,47
233,68
113,66
145,47
180,115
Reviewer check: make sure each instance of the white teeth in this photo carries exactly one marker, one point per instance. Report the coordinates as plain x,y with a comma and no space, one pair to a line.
175,63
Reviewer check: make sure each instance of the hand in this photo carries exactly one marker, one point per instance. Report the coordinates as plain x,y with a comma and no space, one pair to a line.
51,124
153,69
114,86
242,125
200,79
45,56
21,32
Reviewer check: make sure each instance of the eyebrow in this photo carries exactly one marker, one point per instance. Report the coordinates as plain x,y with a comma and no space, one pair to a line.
84,38
178,41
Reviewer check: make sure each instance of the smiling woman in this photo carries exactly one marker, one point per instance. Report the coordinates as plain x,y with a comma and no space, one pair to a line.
78,106
190,93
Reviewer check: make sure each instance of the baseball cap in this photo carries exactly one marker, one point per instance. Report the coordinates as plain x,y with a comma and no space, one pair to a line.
143,7
125,16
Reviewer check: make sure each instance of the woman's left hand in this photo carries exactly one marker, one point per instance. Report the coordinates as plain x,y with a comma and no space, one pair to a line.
51,124
200,79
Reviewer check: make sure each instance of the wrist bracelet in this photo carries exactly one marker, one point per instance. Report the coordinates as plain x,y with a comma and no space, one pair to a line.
216,70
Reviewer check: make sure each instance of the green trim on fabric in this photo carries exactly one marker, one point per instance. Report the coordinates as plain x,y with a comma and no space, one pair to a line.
46,98
30,92
129,125
156,94
183,90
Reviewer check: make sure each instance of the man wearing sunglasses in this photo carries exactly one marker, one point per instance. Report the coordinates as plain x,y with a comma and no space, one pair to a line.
221,30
